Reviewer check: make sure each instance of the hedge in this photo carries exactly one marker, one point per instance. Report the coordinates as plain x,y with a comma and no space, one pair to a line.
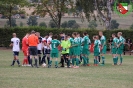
6,33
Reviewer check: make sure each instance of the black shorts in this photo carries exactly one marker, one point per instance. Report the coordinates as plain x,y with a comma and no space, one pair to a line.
33,50
15,53
39,51
65,55
47,51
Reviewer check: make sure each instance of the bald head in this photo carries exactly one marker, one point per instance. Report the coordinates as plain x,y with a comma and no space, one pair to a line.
14,34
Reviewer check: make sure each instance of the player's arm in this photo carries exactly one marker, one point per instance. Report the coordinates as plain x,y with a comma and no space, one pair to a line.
11,44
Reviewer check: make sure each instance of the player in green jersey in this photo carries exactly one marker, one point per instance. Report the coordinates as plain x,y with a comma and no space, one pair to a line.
54,51
65,44
96,50
85,51
120,46
114,48
76,50
103,46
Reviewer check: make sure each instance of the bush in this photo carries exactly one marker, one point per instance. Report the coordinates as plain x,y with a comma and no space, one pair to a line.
92,24
52,24
43,24
114,24
32,21
71,23
13,22
76,26
131,27
64,24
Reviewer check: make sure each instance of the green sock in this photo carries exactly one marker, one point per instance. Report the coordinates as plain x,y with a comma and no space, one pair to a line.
50,62
77,62
121,59
84,60
56,63
94,61
116,60
97,61
103,60
73,60
87,60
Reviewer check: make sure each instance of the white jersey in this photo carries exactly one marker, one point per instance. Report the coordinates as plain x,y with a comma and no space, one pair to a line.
39,46
16,44
48,42
99,43
44,40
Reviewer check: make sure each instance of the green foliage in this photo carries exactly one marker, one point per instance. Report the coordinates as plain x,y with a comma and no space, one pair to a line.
92,24
6,33
21,24
64,24
43,24
13,22
131,27
76,26
71,23
32,21
114,24
52,24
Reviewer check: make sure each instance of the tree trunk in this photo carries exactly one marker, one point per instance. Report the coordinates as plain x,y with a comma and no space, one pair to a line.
10,22
59,21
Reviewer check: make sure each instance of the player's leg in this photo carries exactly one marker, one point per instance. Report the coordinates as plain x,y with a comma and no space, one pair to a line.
77,61
16,55
39,56
13,62
56,60
44,56
121,59
62,60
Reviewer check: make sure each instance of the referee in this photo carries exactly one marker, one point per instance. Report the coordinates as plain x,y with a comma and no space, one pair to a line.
33,42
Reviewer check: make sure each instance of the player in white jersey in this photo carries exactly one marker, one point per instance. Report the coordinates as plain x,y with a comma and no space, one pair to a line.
44,45
99,43
39,46
15,43
49,46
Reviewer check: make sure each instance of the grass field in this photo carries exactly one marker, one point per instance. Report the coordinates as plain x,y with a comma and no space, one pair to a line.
107,76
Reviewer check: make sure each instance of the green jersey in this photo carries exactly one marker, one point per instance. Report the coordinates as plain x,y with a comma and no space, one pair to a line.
115,43
76,42
86,42
96,46
54,45
121,40
103,41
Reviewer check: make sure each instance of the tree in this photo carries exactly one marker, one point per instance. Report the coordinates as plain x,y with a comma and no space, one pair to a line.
76,26
114,24
64,24
9,8
13,22
32,21
52,24
43,24
131,27
71,23
92,24
55,8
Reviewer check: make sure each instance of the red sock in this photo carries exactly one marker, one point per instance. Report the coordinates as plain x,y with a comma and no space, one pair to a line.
26,60
23,61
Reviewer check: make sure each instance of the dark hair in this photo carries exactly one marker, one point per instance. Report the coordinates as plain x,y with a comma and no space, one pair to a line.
55,36
114,34
50,33
69,34
32,32
75,33
85,33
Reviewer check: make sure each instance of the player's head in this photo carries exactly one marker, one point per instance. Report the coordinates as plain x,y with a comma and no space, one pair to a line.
38,34
97,37
66,37
33,32
50,34
62,34
85,34
119,34
46,36
27,34
100,33
74,34
113,35
78,34
94,37
55,36
14,34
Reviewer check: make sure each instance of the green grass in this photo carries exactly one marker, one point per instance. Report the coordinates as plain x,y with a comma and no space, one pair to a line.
107,76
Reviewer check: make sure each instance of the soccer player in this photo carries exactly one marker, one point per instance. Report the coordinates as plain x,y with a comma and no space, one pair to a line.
85,51
114,48
103,46
54,51
76,50
96,50
33,42
15,42
39,47
65,44
44,44
99,43
25,49
49,47
80,47
120,46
